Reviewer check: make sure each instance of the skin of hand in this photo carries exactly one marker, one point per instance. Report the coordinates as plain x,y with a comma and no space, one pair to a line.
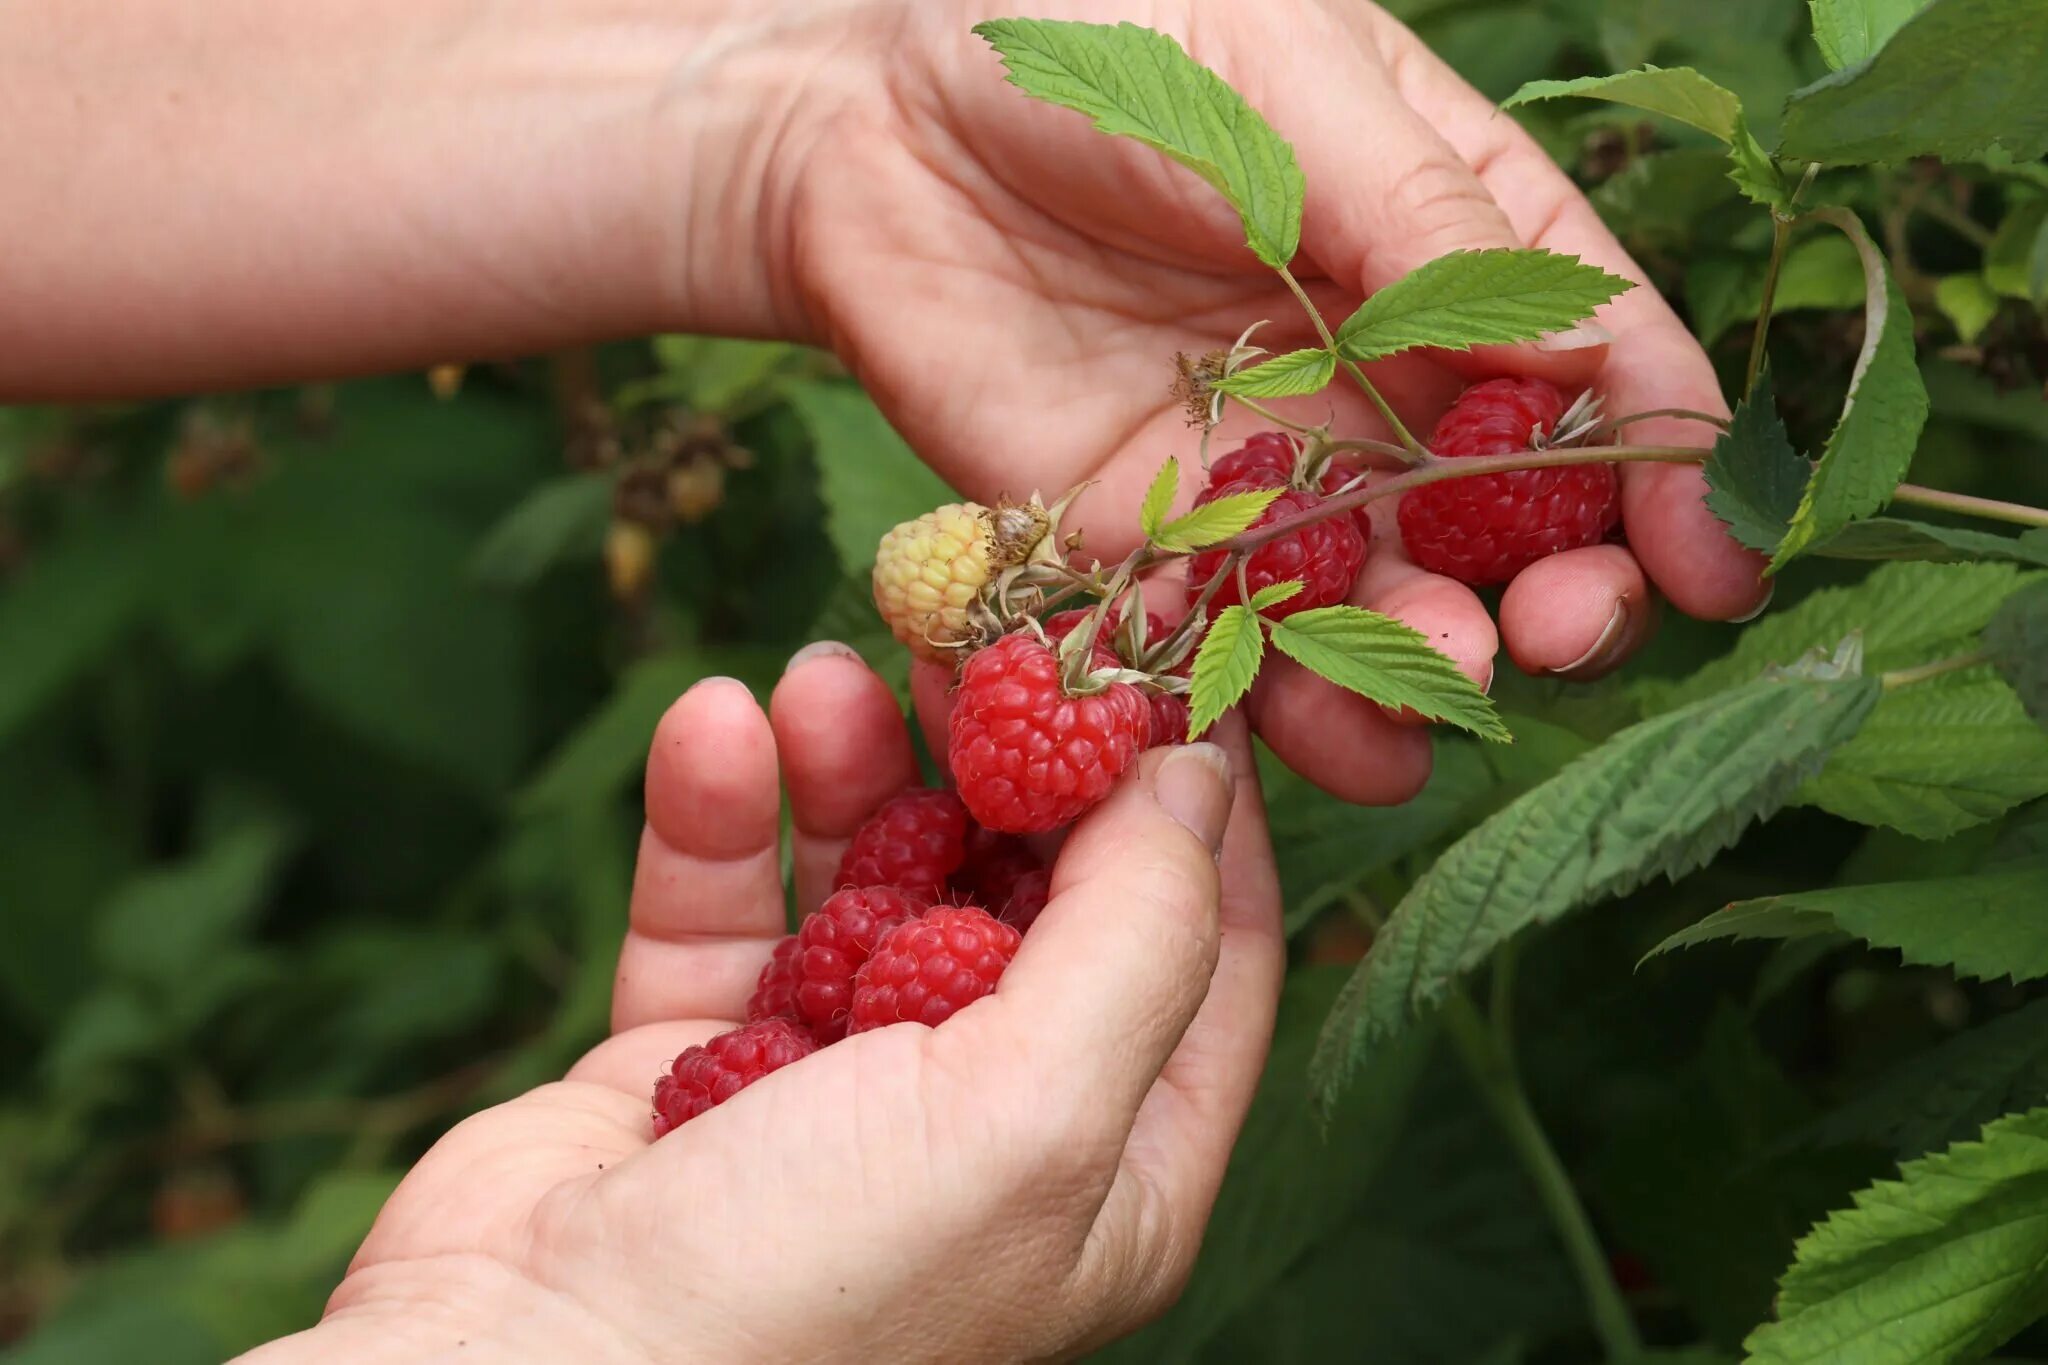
1029,1179
309,189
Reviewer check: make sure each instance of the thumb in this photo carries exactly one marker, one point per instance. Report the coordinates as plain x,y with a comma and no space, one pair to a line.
1119,961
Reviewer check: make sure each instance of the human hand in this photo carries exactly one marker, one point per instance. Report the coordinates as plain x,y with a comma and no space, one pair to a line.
1010,286
1030,1178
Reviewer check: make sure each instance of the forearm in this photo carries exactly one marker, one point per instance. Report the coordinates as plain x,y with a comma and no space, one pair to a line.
244,192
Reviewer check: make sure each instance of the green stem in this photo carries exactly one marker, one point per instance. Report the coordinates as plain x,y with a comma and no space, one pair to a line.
1275,418
1781,233
2019,514
1493,1071
1955,663
1401,433
1615,424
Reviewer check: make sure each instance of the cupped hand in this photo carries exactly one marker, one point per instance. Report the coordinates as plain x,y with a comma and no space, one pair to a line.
1011,287
1029,1178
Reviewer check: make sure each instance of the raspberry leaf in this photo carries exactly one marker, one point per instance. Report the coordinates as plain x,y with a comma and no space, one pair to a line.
2018,640
1140,84
1892,538
1873,440
1385,661
1475,298
1754,476
1980,925
1659,798
1956,78
869,478
560,520
1273,594
1215,521
1941,1265
1851,31
1225,665
1284,376
1159,499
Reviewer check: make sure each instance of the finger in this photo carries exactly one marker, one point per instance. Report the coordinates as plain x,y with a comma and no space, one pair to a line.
844,751
1117,964
1653,362
707,892
931,696
1348,746
1578,614
1444,611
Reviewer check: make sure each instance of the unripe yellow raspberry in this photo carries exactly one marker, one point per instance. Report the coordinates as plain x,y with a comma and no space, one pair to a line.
928,572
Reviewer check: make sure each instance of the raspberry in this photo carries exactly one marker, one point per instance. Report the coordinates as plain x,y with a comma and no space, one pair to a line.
1027,755
1061,624
1325,555
1488,528
1268,457
929,572
1169,719
995,864
914,842
925,970
775,992
832,943
1027,897
713,1072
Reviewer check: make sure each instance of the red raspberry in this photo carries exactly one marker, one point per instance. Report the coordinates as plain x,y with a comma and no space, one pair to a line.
1268,457
713,1072
1169,719
914,842
995,864
923,971
1325,555
775,991
1027,755
1020,908
1061,624
832,943
1488,528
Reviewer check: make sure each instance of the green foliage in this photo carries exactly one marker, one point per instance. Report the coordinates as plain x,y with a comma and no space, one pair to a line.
1139,84
1215,521
1755,477
1159,499
2017,637
1225,666
1471,298
1384,661
1284,376
1851,31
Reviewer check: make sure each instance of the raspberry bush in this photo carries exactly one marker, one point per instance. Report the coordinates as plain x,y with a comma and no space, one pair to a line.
1505,1117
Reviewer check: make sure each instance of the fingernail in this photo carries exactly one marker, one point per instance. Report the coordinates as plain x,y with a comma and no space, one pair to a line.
1579,338
1606,650
717,680
1770,591
821,649
1193,786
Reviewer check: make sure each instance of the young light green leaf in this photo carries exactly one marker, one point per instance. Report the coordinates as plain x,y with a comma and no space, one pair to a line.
1215,521
1983,925
1661,797
1873,440
1273,594
1949,1091
1159,499
2018,640
1676,92
561,519
1851,31
1140,84
1475,298
1754,476
1385,661
1941,1265
1954,79
1892,538
1224,666
1967,302
1284,376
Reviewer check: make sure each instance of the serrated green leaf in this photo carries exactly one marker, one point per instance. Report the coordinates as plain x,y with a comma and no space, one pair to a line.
1273,594
1676,92
1967,302
1385,661
1664,196
63,612
2018,640
559,520
1983,925
869,478
1140,84
1851,31
1821,271
1754,476
1936,758
1215,521
1949,1091
1474,298
1284,376
1225,666
1892,538
1159,499
1661,797
165,923
1873,441
1941,1265
1955,78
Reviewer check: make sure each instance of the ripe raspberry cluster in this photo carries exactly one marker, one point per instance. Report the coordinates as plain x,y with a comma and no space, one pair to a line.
916,947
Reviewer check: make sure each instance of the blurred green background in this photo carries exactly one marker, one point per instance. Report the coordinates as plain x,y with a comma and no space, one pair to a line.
322,711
